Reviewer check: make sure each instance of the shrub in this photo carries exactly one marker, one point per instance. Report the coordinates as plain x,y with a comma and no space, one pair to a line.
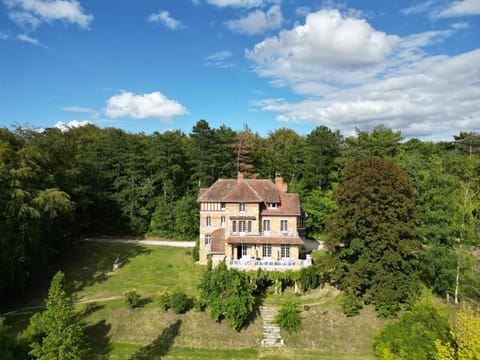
164,300
132,299
180,302
288,318
351,305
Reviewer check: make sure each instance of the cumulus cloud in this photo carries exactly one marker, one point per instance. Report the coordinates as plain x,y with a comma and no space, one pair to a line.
219,59
355,75
30,40
166,19
153,105
30,13
257,22
63,126
239,3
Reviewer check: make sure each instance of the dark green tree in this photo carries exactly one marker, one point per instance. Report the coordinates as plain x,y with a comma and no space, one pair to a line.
372,236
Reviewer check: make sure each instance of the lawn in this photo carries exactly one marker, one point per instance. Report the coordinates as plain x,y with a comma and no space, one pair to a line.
115,332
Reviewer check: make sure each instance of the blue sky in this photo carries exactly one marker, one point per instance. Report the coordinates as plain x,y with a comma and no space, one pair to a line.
148,66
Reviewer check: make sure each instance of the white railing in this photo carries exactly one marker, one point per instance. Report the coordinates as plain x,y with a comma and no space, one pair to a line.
269,264
266,233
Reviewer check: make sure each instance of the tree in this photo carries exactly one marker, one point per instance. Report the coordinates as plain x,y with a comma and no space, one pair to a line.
466,337
371,235
413,336
228,293
57,333
380,142
318,205
289,318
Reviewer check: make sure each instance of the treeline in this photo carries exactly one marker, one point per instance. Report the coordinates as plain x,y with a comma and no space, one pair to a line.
55,185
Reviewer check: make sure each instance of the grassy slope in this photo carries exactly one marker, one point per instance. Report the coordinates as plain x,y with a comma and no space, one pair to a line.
149,333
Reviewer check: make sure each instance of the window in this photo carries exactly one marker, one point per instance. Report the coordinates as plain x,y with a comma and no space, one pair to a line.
222,221
208,239
272,205
285,251
209,221
241,207
243,250
266,225
249,228
241,226
284,225
222,206
234,226
267,250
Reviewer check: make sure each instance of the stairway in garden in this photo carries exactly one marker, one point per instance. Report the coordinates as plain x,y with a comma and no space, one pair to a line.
271,331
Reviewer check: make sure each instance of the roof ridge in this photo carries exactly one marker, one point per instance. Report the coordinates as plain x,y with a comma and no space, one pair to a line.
255,191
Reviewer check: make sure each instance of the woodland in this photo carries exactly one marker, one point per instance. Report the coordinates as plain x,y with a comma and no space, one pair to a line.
56,185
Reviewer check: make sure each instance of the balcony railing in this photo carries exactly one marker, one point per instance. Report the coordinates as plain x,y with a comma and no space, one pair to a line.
269,264
265,233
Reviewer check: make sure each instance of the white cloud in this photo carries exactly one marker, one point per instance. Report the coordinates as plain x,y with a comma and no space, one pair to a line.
219,59
460,8
240,3
153,105
257,22
63,126
418,101
329,49
30,40
166,19
33,12
78,109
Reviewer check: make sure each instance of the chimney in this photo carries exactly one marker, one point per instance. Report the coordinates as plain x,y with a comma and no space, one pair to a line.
239,176
280,184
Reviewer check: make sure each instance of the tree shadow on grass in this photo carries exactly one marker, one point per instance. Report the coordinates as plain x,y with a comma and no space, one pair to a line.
87,263
161,345
99,340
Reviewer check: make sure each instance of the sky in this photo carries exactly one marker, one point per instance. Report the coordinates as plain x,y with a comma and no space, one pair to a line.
152,65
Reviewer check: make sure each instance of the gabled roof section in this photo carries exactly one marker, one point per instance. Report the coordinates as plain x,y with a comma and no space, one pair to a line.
252,190
289,205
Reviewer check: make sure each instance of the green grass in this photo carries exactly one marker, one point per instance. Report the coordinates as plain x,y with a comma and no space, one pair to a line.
115,332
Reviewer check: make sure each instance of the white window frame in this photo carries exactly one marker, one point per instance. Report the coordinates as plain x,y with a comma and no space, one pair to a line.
267,250
222,206
243,250
222,222
241,226
208,239
249,226
272,206
266,227
234,227
285,251
284,226
241,207
209,221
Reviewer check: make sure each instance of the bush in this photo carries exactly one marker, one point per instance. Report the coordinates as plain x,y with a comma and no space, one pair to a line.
180,302
351,305
164,300
288,318
132,299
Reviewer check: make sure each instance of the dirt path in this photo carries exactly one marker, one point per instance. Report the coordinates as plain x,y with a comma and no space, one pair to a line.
182,244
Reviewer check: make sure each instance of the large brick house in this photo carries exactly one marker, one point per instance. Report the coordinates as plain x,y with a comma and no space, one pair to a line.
252,224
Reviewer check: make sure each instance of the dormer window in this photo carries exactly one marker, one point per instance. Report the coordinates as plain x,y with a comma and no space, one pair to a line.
241,207
272,205
222,206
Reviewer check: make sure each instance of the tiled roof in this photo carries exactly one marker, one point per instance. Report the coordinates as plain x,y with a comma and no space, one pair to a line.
218,241
265,240
289,205
252,190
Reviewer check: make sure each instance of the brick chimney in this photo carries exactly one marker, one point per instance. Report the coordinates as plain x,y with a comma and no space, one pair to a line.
239,176
280,184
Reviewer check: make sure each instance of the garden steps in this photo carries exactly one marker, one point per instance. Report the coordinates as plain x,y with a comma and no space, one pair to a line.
271,331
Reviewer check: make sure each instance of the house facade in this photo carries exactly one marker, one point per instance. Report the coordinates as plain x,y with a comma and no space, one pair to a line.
252,224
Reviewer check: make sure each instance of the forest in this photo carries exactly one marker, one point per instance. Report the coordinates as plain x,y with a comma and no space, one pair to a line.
58,185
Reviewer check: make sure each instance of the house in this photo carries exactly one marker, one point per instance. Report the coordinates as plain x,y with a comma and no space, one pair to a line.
252,224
